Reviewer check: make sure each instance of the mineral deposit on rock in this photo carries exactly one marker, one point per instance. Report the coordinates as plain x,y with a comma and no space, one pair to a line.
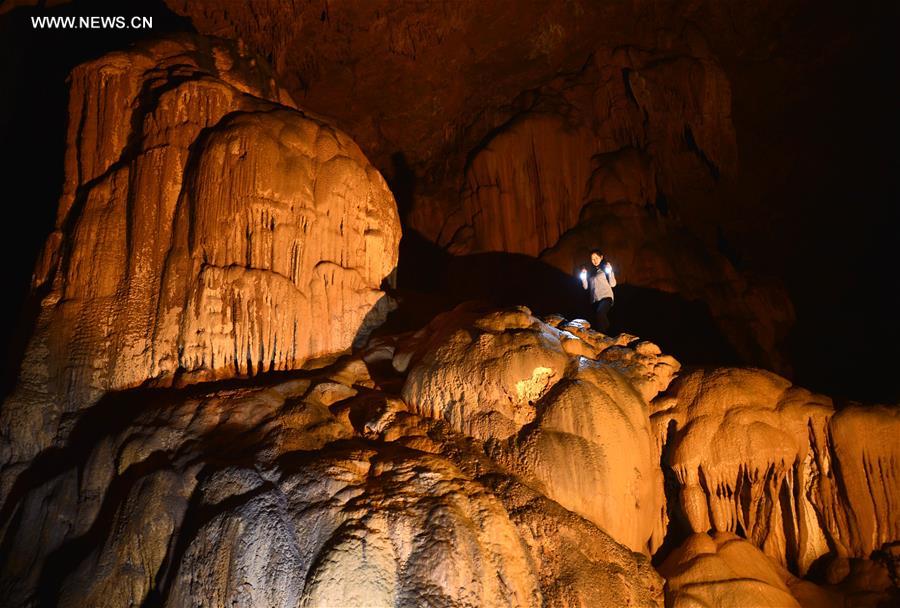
756,455
207,229
567,423
202,419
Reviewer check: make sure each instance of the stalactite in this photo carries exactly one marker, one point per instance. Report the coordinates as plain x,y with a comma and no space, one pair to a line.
775,482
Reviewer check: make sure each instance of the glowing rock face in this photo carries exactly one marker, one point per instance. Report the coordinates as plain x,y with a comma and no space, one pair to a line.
299,493
574,427
323,490
590,450
578,563
485,379
207,230
285,223
724,571
753,453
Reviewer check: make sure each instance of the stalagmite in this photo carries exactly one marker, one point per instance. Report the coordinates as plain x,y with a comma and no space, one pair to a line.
207,229
569,424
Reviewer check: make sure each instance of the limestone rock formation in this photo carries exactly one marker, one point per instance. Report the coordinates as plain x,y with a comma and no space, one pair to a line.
328,488
207,229
757,456
568,424
622,137
610,134
482,374
315,490
577,563
356,527
591,164
202,419
592,433
236,497
725,570
150,457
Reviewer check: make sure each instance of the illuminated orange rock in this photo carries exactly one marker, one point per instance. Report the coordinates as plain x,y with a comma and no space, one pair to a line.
756,455
577,563
526,186
484,374
304,491
321,488
566,423
858,501
725,570
207,229
210,232
592,432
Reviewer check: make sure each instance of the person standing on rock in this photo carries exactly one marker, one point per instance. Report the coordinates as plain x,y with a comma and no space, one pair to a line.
599,281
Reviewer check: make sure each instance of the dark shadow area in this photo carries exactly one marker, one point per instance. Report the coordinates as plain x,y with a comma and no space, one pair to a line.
34,64
683,328
679,528
64,561
430,281
691,144
197,515
848,323
817,206
402,184
724,246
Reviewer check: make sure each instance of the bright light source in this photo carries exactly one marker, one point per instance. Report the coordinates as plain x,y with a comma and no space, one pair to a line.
607,268
583,274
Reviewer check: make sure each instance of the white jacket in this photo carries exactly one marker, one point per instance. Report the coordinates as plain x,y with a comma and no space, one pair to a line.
600,282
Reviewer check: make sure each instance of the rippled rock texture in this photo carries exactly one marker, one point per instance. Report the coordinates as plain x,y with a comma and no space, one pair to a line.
364,484
207,229
203,418
560,410
316,489
727,571
776,463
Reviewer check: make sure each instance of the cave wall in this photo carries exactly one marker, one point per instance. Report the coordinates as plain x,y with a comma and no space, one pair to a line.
507,156
780,140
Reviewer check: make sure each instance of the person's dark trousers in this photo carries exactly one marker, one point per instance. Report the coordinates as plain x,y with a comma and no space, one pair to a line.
601,312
